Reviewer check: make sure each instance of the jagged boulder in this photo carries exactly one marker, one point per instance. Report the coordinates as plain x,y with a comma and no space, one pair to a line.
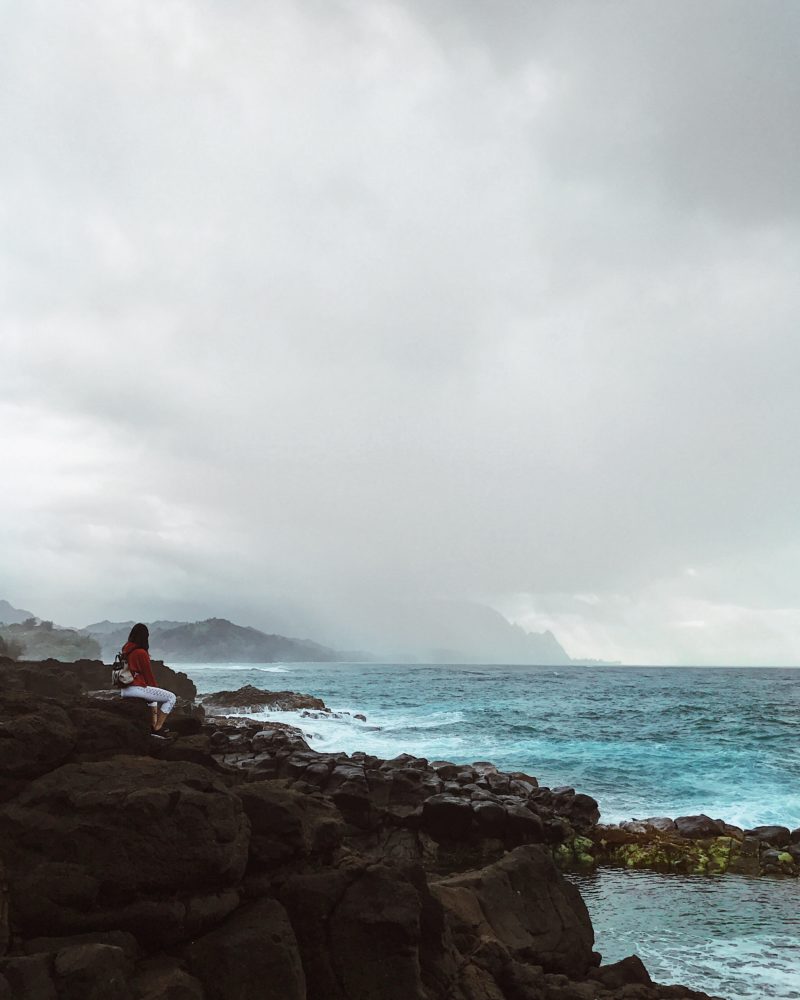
367,932
162,978
257,699
778,836
252,956
288,825
525,904
149,846
37,736
697,827
54,678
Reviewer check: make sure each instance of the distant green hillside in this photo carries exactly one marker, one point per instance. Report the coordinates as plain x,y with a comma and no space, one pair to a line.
215,640
32,640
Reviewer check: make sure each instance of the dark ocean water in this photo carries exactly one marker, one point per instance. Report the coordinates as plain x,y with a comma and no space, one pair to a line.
644,742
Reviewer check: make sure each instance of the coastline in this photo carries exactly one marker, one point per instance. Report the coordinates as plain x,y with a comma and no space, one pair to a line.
303,815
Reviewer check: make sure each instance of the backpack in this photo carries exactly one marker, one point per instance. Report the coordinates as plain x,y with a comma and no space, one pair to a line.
121,673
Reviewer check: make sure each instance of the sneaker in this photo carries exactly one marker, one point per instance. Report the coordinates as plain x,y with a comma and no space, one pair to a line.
159,735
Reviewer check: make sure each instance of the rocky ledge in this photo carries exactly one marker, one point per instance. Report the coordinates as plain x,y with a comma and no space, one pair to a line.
253,699
697,845
485,812
234,862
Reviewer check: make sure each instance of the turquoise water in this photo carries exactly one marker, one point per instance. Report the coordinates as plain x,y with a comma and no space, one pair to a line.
643,742
730,936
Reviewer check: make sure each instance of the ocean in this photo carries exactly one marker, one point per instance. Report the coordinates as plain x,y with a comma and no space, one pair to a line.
649,741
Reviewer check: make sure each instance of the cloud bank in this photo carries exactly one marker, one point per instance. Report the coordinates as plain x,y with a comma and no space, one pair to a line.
317,306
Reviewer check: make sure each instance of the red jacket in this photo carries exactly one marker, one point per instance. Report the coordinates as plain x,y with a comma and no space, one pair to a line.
139,662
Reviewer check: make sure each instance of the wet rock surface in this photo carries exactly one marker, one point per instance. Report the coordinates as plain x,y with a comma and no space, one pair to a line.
693,845
257,700
232,861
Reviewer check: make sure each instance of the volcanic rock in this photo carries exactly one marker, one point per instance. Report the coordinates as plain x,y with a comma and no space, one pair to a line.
74,840
257,699
698,826
777,835
253,954
619,974
518,901
234,862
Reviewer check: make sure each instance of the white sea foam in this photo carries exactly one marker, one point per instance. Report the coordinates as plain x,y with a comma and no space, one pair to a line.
383,735
271,668
733,937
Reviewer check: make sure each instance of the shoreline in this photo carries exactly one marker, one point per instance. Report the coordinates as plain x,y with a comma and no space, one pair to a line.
643,744
289,815
687,845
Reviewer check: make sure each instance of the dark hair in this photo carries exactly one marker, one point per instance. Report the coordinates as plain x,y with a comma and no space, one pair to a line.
140,635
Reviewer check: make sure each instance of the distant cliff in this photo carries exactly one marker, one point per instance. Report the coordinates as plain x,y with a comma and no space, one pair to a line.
440,631
215,640
35,640
9,615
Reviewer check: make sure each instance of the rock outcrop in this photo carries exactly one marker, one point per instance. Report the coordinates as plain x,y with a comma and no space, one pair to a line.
694,845
255,699
233,862
54,677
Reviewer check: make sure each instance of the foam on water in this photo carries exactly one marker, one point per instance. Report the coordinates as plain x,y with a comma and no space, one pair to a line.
385,735
730,936
644,742
658,741
221,668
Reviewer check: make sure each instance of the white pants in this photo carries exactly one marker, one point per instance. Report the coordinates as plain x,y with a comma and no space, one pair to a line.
154,696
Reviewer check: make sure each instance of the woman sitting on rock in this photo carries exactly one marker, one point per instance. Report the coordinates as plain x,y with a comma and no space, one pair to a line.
144,684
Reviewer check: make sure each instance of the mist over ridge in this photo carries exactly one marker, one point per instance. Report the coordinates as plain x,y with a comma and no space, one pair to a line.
313,313
444,632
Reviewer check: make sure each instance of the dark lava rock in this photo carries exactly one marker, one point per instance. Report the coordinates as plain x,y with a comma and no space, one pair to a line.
254,954
141,870
447,817
38,735
583,812
74,841
661,823
53,678
627,970
29,976
377,944
258,699
162,978
491,818
92,972
778,835
524,826
698,827
287,825
525,905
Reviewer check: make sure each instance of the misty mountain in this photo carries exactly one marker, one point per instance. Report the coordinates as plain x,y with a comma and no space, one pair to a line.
13,616
107,628
433,631
35,640
429,631
464,632
215,640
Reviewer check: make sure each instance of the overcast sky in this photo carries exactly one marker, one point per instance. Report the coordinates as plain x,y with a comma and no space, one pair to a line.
312,302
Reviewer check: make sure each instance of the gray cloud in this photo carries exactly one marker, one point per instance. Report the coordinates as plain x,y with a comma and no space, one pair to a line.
306,305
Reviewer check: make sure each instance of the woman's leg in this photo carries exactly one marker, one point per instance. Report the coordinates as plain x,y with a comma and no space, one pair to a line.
165,700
